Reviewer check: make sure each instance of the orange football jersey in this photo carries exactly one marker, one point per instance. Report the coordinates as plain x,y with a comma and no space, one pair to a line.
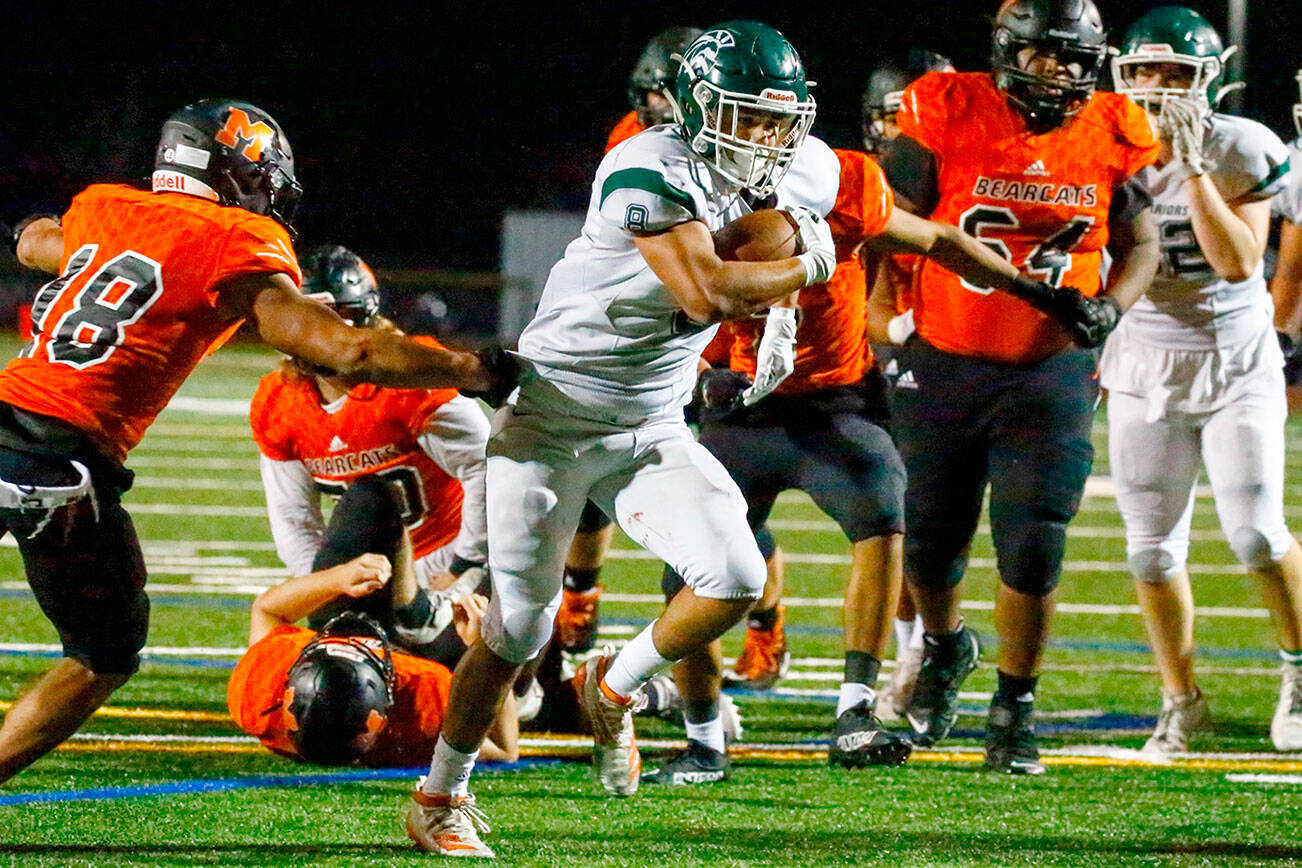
831,341
1040,200
374,433
133,310
256,691
628,127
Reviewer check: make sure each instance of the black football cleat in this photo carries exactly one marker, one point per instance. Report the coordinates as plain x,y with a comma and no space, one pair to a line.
933,708
698,764
1010,740
861,740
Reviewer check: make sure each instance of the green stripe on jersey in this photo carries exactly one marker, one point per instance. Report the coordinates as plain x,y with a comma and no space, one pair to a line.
1275,174
649,180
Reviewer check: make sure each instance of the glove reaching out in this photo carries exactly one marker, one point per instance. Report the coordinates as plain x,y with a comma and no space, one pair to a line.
817,249
1088,320
777,353
1181,124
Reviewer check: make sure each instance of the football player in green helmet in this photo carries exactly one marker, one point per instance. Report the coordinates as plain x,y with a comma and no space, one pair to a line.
1172,52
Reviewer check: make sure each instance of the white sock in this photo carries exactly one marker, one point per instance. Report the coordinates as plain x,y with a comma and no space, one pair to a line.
916,642
449,771
635,664
903,635
852,693
709,733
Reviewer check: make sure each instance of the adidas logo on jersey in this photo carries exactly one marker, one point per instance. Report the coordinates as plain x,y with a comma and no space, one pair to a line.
906,381
1036,168
337,444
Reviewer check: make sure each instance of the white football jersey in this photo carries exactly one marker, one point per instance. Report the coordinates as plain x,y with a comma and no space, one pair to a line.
1288,204
607,333
1188,307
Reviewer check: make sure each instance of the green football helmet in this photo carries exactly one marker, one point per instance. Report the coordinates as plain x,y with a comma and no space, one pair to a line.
655,72
736,70
1175,35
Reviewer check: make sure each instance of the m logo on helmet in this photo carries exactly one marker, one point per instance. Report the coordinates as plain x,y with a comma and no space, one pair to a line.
704,52
240,128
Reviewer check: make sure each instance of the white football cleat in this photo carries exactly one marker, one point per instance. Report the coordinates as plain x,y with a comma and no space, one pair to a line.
448,825
1181,717
615,753
1286,725
894,700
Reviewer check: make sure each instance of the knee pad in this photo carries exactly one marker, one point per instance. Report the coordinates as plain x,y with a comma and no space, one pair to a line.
734,571
929,565
1030,554
592,519
1154,565
519,623
1253,548
114,649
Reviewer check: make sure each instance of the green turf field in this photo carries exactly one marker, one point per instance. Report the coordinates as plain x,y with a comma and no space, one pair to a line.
206,796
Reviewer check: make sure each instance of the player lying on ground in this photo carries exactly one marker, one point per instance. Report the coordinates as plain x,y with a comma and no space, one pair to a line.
150,282
346,694
611,359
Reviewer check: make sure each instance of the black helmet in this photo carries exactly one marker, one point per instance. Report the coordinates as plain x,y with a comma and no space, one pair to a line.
230,152
337,277
655,71
885,88
1072,30
339,691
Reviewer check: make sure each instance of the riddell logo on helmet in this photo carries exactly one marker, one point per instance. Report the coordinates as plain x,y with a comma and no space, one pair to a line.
240,128
778,95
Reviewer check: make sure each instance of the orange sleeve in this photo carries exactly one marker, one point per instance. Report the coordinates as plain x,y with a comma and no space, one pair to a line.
922,112
628,127
420,702
264,420
257,685
864,202
254,245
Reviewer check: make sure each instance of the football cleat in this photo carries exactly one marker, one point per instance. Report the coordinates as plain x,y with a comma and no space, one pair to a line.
615,753
698,764
576,620
1286,725
1181,718
448,825
764,657
904,677
861,740
933,708
1010,740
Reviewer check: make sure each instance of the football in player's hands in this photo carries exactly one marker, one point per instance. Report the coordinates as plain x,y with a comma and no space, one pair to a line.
761,236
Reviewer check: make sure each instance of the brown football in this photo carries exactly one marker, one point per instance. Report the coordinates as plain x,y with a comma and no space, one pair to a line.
760,236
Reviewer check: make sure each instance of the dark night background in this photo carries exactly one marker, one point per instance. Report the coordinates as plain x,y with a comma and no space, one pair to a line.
416,125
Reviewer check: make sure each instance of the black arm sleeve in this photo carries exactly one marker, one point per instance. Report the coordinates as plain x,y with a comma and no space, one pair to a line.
1128,201
911,170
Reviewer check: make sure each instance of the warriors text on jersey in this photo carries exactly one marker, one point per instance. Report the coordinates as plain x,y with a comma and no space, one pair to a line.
831,343
134,308
608,335
1041,200
374,431
1188,307
256,692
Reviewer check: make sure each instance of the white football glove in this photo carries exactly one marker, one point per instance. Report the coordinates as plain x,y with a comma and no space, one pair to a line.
900,327
777,354
1181,123
817,249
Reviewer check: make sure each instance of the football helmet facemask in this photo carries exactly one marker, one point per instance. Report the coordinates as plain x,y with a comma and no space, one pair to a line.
1181,37
338,278
737,74
339,691
655,72
1069,30
885,90
230,152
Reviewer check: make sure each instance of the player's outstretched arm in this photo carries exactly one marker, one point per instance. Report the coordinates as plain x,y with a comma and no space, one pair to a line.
947,245
710,289
39,244
312,332
300,596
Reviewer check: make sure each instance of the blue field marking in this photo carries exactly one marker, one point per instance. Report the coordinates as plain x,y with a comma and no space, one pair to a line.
219,785
195,662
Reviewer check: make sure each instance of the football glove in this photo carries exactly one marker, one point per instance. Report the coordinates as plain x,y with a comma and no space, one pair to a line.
504,369
777,353
1181,123
1088,320
719,391
817,249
